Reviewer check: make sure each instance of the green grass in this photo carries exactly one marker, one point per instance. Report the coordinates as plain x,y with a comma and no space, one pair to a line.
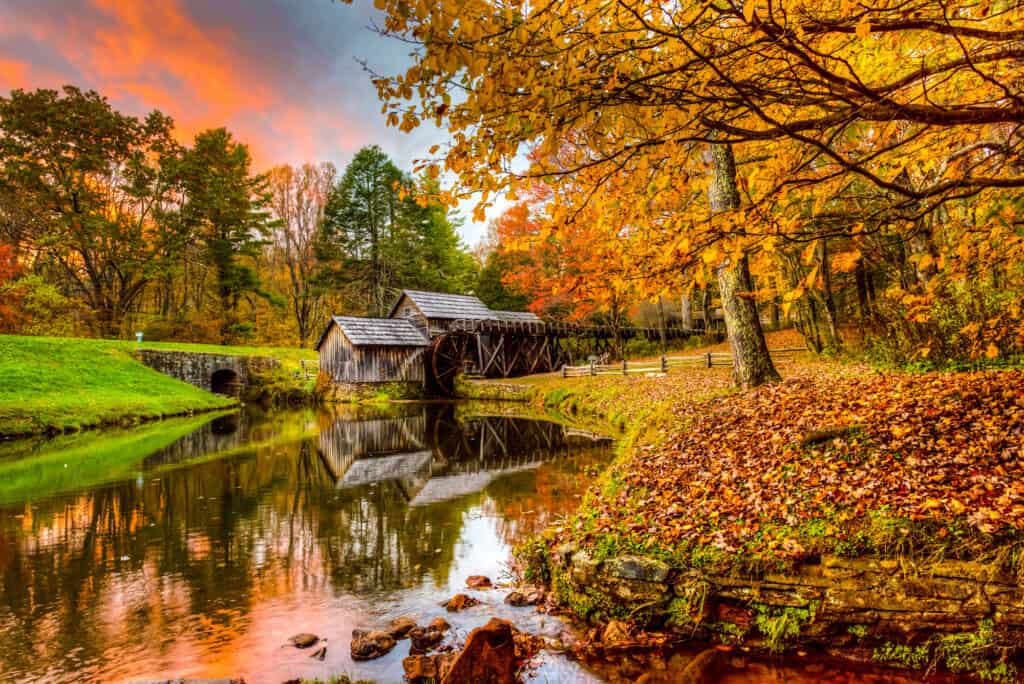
66,384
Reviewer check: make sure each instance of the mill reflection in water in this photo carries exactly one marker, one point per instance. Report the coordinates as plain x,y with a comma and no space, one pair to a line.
432,458
196,547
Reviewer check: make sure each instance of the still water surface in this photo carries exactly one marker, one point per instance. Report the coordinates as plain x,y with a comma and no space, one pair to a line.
196,547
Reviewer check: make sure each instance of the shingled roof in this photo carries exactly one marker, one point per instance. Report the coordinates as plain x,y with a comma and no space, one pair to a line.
376,332
518,316
439,305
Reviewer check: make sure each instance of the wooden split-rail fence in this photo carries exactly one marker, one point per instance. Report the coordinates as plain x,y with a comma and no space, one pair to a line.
307,369
665,363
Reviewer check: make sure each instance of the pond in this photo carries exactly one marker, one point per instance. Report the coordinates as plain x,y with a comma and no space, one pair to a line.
195,547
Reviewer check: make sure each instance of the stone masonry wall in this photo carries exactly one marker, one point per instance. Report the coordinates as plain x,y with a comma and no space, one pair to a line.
198,368
341,392
885,599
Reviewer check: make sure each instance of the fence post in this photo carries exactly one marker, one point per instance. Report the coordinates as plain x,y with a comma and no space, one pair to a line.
664,364
593,369
708,359
624,367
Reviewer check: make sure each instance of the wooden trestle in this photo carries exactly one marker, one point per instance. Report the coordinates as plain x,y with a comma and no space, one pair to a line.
503,349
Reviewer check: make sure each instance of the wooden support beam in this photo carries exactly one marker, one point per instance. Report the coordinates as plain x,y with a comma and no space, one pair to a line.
512,363
539,355
494,355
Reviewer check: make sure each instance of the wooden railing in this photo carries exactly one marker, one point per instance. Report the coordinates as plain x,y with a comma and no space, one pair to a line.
665,363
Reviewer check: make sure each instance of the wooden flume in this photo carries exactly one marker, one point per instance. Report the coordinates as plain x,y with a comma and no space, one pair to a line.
504,349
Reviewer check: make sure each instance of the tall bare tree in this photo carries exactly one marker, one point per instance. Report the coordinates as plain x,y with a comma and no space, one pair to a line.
298,197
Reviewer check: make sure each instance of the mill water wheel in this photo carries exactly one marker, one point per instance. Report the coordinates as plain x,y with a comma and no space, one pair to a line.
447,353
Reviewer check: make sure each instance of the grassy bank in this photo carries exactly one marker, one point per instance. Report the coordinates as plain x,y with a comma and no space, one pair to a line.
837,459
64,384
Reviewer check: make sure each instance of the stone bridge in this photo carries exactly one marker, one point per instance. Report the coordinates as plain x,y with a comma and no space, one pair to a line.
219,373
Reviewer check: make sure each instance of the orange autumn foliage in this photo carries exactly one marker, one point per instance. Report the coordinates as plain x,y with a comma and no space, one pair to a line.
888,129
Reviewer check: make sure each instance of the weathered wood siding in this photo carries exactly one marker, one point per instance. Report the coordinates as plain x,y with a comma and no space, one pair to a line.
406,309
335,353
345,363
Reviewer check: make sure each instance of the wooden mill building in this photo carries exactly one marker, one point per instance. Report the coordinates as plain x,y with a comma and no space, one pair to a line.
361,351
426,337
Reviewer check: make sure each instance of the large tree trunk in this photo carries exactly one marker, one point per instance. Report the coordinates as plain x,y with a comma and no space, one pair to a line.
662,324
751,363
705,307
863,304
828,296
686,311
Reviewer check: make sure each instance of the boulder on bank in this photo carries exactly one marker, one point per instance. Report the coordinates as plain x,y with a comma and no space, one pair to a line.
488,658
367,645
616,632
637,568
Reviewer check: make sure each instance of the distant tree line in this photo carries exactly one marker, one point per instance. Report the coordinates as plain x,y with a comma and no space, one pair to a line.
109,225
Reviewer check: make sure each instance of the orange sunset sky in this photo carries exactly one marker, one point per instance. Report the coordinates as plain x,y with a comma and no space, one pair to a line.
281,75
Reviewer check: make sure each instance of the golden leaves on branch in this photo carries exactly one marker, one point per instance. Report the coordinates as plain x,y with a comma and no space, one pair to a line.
839,119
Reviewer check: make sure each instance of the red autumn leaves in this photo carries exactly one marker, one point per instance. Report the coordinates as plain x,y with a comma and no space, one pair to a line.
739,473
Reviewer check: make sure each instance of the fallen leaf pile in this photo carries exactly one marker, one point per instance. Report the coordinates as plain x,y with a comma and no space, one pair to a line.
825,448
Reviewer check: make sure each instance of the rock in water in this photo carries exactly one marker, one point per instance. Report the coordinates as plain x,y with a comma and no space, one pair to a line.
478,582
401,626
530,597
303,640
516,598
370,645
460,602
421,669
616,632
424,639
440,624
488,658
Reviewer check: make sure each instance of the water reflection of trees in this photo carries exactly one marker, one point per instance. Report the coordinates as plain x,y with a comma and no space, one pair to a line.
194,548
530,470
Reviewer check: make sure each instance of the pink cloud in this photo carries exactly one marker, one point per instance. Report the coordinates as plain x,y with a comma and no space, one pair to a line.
155,55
